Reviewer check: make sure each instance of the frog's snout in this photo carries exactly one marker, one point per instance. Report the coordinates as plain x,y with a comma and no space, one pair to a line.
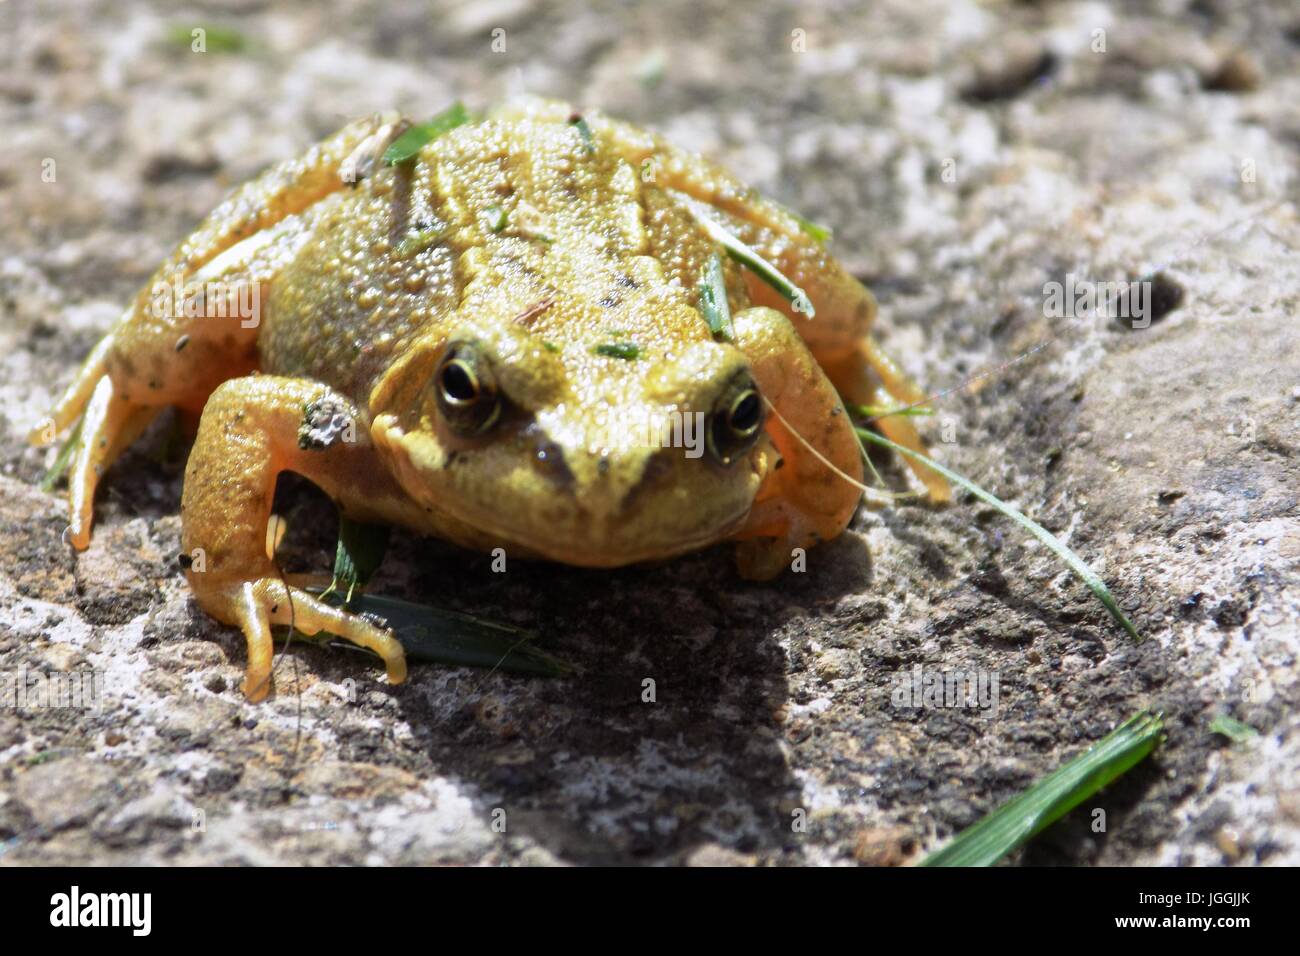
692,469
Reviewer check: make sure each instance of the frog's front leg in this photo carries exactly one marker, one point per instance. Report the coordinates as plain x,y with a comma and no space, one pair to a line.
252,429
811,493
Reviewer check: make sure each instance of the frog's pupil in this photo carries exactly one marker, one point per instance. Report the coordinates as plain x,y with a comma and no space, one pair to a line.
745,413
458,382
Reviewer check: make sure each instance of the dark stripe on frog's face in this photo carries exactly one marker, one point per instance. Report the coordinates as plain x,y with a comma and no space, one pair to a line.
657,466
548,457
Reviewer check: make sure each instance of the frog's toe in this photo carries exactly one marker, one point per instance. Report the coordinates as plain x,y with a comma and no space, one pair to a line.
855,376
309,615
253,618
899,429
73,401
254,606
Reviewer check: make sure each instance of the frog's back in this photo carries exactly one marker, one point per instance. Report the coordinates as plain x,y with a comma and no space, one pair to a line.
350,301
530,220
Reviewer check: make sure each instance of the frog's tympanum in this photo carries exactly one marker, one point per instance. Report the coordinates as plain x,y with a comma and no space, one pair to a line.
498,340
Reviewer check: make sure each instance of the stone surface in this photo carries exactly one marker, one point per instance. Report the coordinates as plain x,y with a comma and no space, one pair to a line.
965,154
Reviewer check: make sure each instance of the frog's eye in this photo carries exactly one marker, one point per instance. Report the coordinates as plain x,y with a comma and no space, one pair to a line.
736,420
467,391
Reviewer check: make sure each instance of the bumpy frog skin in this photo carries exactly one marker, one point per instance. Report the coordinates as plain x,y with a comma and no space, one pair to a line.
459,344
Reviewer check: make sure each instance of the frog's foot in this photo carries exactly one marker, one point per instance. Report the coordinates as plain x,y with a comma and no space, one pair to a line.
111,424
254,606
252,429
149,361
811,493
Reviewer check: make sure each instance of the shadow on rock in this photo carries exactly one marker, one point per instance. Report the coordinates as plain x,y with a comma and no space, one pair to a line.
667,738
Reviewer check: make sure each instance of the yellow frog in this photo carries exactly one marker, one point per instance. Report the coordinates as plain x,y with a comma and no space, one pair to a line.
499,340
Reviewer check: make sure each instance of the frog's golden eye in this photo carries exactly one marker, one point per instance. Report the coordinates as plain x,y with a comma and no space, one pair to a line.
467,391
736,420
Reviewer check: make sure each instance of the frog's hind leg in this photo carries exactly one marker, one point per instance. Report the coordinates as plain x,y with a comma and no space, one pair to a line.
76,397
111,424
811,493
149,361
177,341
855,373
252,429
283,191
287,189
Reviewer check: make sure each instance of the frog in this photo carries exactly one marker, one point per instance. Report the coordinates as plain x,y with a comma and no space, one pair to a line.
456,342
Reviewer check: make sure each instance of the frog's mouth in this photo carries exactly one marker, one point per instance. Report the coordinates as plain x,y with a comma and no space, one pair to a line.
560,528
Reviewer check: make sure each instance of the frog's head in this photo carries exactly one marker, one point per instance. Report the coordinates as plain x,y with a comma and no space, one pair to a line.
591,455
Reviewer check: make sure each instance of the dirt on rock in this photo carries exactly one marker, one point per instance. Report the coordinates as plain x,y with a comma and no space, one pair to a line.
967,156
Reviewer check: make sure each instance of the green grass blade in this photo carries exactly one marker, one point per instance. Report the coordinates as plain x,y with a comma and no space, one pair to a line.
1012,824
883,411
419,240
426,633
1076,564
821,233
588,143
748,258
360,552
216,39
627,351
64,458
436,636
496,218
713,300
871,467
1233,729
410,143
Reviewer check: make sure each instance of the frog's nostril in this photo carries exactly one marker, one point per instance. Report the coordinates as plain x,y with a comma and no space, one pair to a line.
548,458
